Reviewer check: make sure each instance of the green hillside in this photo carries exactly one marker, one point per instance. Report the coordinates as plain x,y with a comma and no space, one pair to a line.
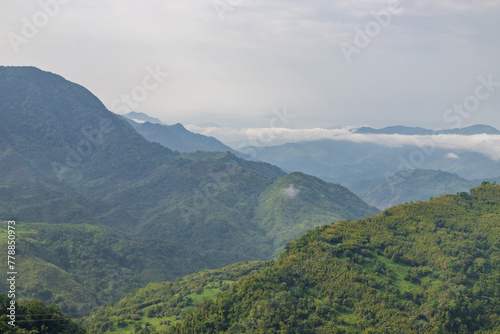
297,202
158,306
227,157
79,266
427,267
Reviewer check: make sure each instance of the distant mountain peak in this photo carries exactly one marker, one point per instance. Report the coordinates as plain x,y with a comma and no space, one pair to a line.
141,117
474,129
179,126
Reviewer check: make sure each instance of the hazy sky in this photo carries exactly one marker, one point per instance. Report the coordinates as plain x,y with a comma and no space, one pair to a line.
233,62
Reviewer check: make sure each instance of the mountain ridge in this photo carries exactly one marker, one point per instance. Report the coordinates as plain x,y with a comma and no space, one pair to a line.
176,137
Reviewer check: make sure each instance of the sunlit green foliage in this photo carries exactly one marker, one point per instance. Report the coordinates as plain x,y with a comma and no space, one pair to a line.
427,267
163,304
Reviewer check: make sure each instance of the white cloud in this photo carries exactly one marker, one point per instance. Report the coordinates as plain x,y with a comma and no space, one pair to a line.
291,191
452,155
485,144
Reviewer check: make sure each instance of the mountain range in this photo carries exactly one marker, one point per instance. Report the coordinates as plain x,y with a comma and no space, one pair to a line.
347,162
411,131
102,211
408,183
404,186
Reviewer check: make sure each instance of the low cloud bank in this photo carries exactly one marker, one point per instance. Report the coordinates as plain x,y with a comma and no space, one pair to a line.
488,145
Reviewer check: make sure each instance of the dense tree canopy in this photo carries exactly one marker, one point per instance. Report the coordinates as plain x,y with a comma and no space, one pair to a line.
426,267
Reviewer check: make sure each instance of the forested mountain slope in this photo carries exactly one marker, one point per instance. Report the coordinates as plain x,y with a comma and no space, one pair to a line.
426,267
158,306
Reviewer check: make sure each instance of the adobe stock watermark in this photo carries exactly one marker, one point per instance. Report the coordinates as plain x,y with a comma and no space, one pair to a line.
372,29
280,119
32,26
153,78
455,116
222,7
12,271
471,103
76,155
